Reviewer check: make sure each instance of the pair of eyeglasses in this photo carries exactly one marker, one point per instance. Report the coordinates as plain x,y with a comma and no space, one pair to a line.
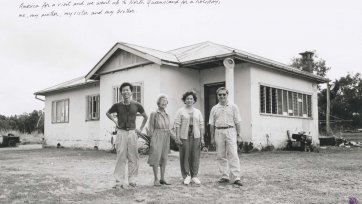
221,94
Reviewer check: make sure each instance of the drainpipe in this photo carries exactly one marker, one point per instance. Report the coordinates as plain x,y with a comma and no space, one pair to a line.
229,77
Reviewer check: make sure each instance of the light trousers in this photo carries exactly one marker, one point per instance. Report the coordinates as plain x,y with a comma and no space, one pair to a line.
227,153
126,146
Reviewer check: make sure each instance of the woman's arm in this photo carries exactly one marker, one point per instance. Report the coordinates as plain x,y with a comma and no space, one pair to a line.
151,123
202,128
177,126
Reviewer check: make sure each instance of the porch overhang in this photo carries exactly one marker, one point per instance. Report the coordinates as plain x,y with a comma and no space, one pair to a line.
216,61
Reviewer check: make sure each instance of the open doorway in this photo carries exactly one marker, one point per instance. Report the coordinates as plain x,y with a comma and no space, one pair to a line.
210,100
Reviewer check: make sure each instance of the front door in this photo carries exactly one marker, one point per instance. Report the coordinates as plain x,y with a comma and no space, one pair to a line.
210,101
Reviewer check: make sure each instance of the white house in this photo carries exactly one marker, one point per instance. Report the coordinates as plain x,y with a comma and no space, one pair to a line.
272,97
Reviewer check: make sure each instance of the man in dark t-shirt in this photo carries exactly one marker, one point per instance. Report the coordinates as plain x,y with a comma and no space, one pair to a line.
126,142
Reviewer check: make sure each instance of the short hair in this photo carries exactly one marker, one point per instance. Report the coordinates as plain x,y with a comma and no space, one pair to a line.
188,93
161,96
126,84
222,89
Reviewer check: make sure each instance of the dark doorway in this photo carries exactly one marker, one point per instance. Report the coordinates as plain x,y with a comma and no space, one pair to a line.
210,101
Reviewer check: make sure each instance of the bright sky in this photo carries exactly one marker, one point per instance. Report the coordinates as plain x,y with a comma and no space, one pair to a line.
38,53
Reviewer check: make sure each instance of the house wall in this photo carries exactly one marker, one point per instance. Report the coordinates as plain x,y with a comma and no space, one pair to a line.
276,126
243,98
174,81
149,75
77,132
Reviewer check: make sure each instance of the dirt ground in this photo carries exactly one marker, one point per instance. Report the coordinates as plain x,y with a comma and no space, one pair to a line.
31,175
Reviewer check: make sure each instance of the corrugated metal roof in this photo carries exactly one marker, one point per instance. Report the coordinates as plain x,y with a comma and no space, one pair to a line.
80,81
197,53
155,53
200,51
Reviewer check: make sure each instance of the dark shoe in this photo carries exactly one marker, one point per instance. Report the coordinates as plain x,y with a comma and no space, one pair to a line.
118,186
238,183
223,180
163,182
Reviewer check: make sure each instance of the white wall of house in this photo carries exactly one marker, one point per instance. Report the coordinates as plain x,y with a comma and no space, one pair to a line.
174,82
77,132
243,98
276,126
149,75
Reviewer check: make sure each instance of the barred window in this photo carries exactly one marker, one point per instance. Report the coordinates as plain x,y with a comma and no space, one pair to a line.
60,111
276,101
93,103
137,93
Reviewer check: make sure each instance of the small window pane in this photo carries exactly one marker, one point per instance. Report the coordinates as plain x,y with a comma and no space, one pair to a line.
280,102
262,99
268,99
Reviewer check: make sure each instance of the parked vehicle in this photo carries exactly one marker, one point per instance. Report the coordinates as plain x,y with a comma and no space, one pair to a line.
9,140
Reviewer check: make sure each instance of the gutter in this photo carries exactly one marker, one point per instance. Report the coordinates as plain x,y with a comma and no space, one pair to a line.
36,97
66,88
248,58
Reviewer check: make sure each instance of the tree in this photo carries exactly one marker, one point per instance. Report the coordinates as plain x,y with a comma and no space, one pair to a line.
319,65
346,100
25,123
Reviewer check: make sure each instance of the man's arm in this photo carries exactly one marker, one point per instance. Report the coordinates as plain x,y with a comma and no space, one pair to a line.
238,129
112,119
212,134
145,118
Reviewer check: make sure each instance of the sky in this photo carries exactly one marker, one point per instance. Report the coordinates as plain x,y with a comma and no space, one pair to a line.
38,53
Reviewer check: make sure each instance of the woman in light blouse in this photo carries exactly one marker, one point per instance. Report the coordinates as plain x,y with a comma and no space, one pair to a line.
159,127
189,125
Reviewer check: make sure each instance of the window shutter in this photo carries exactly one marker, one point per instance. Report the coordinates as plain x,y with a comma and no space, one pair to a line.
98,106
89,109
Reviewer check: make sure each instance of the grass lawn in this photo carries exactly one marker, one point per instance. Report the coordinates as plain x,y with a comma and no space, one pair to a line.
85,176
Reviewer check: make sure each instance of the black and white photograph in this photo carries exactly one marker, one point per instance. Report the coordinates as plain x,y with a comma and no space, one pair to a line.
180,101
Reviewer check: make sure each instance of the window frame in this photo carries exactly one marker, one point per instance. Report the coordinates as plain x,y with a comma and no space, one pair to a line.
117,96
89,107
54,116
295,102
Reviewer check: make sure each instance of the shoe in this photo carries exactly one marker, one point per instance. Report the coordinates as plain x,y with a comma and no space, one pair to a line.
196,180
223,180
163,182
187,180
133,185
119,186
157,183
238,183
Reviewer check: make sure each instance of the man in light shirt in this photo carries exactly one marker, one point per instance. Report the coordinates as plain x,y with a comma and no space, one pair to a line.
225,132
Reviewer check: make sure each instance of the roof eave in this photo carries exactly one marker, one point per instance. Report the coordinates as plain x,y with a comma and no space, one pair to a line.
47,92
248,58
285,68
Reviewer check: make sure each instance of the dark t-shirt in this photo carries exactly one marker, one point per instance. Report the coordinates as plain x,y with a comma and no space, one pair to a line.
126,114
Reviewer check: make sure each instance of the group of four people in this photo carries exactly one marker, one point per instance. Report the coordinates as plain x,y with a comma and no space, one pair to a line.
189,135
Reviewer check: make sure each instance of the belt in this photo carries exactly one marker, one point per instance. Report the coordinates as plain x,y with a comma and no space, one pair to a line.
126,129
224,127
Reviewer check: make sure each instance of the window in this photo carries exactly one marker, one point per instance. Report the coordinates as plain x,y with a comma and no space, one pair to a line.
60,111
137,93
277,101
93,103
